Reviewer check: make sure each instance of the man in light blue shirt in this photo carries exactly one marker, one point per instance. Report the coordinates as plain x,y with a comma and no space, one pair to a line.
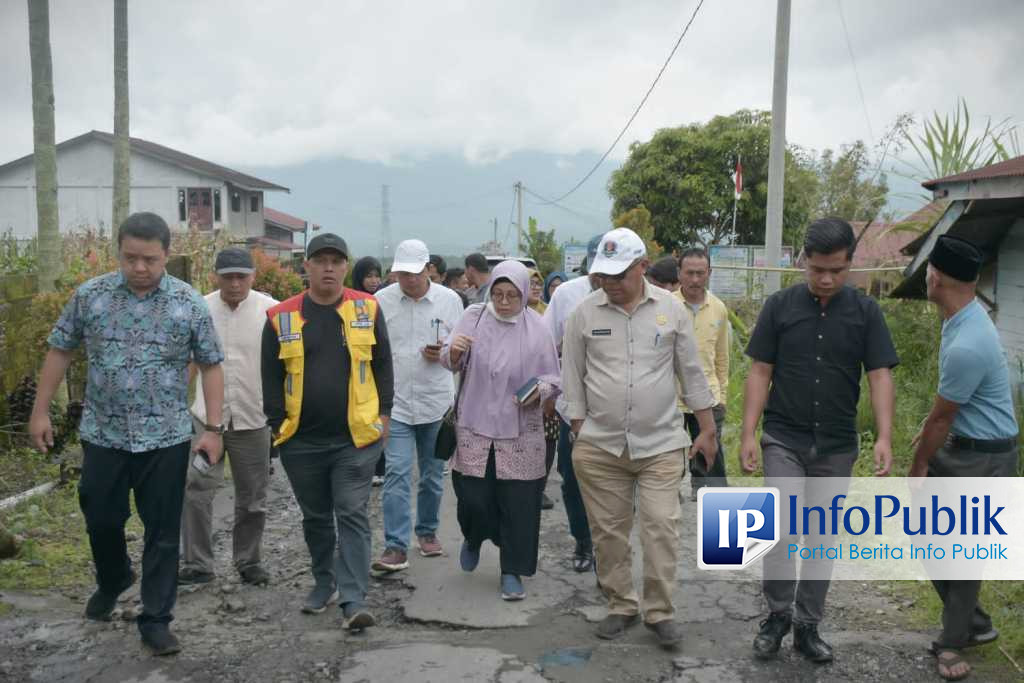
971,430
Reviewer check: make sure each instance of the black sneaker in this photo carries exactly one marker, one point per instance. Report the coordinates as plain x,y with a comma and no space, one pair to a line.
255,575
318,599
773,630
356,617
101,605
190,576
160,640
807,642
668,632
614,626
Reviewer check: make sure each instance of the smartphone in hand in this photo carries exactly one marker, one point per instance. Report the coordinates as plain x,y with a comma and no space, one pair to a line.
201,461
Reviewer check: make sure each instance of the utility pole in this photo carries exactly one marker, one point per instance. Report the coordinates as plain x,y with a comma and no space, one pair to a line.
385,221
495,238
777,151
519,220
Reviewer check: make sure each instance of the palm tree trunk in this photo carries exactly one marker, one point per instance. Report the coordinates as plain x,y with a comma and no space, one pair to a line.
44,145
122,154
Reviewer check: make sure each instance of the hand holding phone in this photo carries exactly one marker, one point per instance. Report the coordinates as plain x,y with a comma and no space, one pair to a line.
201,461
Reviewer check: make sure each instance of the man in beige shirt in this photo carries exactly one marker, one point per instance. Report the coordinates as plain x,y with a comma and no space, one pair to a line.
711,329
624,348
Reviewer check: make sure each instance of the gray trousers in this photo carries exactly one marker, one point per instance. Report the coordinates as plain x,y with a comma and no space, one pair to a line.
962,615
332,486
249,452
781,586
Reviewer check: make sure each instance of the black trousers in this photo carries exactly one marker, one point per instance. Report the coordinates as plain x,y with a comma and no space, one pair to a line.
157,478
716,475
962,614
503,511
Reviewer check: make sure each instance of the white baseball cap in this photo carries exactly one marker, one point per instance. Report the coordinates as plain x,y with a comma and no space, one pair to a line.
618,249
411,256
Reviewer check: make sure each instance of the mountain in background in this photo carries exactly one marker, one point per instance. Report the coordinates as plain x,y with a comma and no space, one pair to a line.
446,201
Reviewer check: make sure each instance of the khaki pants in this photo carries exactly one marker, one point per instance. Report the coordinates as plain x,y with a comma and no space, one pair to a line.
249,452
611,486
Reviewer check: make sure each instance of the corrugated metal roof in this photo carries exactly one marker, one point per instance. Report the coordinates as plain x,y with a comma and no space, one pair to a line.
171,156
1003,169
284,220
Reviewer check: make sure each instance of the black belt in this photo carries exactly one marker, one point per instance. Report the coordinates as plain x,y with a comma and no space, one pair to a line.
983,445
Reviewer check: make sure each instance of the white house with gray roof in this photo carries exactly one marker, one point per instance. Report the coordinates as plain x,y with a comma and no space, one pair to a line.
183,189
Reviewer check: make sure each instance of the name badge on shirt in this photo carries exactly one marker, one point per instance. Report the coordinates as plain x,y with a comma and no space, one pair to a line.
294,336
362,324
661,319
605,332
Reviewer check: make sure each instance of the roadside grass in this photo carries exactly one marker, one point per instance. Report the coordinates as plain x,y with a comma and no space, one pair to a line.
54,552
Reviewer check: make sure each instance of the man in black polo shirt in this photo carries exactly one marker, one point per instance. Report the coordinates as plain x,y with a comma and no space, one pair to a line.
808,347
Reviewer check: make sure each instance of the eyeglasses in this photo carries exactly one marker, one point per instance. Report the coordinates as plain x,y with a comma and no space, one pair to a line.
621,276
507,298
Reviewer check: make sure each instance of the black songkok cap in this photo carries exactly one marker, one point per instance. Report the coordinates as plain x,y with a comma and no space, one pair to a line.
957,258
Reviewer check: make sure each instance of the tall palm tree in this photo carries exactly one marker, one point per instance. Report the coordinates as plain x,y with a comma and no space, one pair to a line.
44,144
122,154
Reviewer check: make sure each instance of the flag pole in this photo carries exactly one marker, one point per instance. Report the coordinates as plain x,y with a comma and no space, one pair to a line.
735,199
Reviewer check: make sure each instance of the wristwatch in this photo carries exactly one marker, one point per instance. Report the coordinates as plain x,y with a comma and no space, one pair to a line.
216,429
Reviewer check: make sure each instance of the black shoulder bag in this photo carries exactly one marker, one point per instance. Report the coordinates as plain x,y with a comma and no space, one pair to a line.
444,446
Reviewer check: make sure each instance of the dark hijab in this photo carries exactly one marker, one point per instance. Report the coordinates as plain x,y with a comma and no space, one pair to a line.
363,268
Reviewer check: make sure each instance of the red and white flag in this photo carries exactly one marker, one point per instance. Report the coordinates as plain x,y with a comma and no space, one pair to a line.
737,178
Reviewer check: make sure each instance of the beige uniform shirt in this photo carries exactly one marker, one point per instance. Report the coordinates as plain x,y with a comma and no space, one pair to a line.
711,328
619,373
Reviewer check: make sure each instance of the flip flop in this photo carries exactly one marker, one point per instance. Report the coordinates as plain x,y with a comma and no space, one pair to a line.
951,659
976,639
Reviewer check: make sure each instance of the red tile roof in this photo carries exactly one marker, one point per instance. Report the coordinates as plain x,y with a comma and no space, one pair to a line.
284,220
1003,169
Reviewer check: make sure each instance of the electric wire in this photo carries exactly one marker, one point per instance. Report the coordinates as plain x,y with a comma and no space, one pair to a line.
856,73
638,107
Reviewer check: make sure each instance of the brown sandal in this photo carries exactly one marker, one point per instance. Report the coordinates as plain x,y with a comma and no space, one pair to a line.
947,659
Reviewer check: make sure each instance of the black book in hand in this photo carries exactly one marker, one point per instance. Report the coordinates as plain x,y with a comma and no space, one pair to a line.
526,392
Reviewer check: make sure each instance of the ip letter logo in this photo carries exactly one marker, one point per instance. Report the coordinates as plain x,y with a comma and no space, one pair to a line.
735,526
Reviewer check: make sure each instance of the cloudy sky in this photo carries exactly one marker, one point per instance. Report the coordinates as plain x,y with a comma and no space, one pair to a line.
299,85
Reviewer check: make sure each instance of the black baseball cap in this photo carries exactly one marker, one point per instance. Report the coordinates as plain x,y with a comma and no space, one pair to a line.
327,240
233,260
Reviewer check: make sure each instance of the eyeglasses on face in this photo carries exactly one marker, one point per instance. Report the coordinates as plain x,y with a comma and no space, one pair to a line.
621,276
507,298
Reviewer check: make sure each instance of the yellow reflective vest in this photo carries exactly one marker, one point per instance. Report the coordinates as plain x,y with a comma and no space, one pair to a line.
357,312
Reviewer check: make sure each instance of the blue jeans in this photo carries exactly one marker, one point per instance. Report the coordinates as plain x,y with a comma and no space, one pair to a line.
332,486
405,444
571,498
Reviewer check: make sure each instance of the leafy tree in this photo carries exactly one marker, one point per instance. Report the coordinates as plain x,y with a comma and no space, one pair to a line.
846,188
542,248
682,176
639,221
44,146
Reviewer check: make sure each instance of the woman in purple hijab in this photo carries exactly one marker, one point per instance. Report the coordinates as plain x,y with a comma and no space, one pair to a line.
498,468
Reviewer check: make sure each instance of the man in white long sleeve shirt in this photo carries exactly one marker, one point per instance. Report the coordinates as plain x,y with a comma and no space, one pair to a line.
419,315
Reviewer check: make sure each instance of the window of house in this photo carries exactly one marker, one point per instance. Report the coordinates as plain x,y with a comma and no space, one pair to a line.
216,205
254,203
236,202
182,212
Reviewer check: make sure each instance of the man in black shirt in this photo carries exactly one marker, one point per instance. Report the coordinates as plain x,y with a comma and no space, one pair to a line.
808,347
327,393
